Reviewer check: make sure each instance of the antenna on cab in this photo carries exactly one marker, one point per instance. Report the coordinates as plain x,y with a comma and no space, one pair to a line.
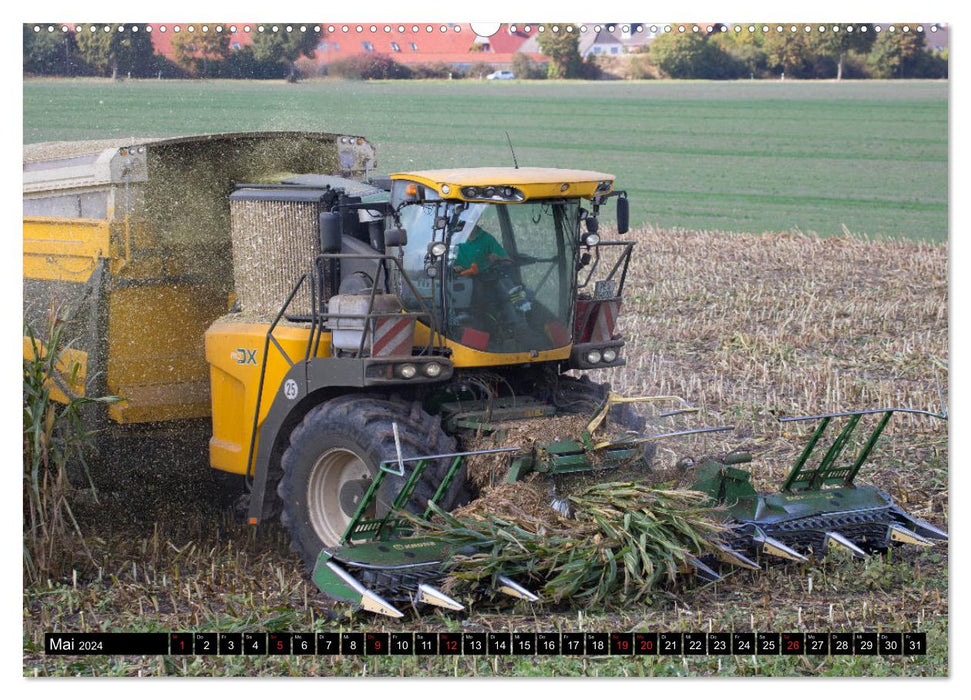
515,162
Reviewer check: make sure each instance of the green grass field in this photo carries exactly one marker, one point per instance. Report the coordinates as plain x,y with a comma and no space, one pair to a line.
868,156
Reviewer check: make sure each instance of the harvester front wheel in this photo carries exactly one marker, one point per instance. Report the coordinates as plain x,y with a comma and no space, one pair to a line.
334,455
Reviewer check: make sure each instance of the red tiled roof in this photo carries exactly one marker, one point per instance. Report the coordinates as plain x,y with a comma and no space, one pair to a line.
505,41
450,46
410,47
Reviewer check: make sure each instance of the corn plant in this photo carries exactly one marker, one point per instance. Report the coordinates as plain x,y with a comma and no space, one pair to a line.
623,542
54,440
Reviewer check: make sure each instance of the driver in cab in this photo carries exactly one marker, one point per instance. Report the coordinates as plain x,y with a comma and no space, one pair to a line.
480,257
478,253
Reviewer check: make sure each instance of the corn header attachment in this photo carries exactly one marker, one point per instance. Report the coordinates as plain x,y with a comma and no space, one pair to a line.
819,507
383,566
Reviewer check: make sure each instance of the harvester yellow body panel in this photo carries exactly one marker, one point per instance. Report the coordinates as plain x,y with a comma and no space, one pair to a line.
154,360
464,356
234,351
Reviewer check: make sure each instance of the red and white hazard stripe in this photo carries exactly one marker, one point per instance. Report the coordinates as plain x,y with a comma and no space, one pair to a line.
605,320
393,336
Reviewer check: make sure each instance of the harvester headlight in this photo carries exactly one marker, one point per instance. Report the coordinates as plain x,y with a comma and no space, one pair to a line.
437,249
590,239
446,189
407,371
494,192
593,357
609,355
432,369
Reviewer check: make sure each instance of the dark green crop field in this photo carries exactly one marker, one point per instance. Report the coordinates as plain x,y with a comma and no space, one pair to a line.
867,157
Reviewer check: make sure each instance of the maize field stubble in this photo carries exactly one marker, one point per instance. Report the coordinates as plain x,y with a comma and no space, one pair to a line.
742,326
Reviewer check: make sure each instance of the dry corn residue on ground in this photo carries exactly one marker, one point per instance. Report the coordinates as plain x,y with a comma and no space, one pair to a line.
752,328
747,328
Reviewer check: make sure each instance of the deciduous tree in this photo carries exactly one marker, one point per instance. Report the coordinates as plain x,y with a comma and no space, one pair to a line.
788,50
526,68
839,39
692,55
49,53
747,48
116,49
563,49
895,53
283,46
198,44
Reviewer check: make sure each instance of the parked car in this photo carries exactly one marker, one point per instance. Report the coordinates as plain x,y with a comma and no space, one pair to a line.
501,75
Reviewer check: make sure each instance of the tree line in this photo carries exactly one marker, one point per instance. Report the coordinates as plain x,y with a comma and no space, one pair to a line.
842,51
120,52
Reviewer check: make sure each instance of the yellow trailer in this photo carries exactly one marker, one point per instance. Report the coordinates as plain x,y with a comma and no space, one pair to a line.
130,240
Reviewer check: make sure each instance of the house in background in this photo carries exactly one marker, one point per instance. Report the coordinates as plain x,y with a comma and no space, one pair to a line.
460,47
607,39
412,44
602,43
457,46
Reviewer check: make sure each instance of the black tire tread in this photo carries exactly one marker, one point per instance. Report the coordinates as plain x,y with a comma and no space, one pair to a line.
367,420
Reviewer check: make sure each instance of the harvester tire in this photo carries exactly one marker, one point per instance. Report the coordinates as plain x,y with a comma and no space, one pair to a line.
333,456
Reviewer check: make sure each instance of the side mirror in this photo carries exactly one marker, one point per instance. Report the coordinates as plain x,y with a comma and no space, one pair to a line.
623,215
456,224
330,232
396,237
